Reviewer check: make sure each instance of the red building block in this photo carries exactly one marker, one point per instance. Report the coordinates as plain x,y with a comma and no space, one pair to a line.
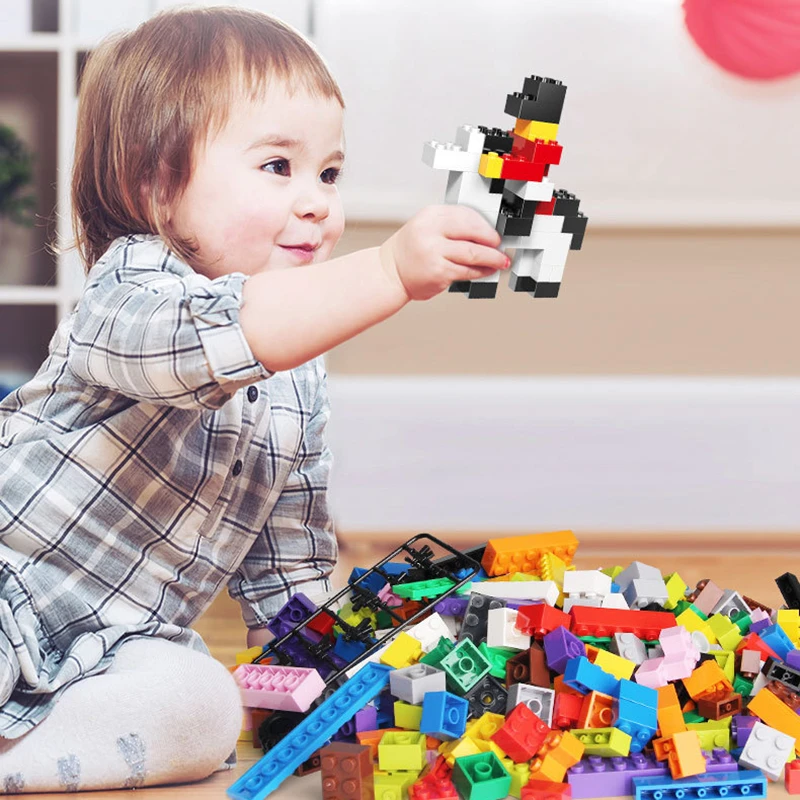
567,710
545,790
347,772
539,619
522,734
593,621
791,775
435,783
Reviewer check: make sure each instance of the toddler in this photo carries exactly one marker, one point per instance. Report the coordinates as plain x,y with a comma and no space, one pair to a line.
173,442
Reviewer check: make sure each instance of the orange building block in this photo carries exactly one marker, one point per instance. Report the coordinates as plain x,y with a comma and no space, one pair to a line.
707,678
776,714
682,752
670,716
597,711
522,553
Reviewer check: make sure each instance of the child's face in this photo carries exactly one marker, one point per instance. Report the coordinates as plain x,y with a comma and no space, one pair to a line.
249,200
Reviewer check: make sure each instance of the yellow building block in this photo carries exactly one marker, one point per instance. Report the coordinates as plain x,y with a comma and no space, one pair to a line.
520,775
487,746
727,661
693,622
713,733
789,621
407,716
491,165
603,741
533,129
404,651
612,572
393,785
522,553
775,713
552,568
618,666
465,746
249,655
485,726
676,588
726,631
402,750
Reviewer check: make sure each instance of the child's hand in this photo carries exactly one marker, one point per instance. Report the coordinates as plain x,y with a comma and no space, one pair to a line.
439,245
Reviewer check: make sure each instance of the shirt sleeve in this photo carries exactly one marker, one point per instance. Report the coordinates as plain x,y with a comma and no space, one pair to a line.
165,338
296,551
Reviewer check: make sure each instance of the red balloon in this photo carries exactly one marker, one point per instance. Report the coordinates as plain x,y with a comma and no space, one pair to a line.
757,39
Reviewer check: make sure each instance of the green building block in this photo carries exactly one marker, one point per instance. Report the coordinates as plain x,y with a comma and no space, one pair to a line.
407,716
393,785
421,589
402,750
434,658
481,777
742,686
464,666
603,741
497,657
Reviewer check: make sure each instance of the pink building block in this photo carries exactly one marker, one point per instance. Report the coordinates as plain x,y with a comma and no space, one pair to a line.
278,687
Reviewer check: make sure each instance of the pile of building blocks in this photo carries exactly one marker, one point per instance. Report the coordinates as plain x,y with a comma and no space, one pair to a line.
504,671
502,174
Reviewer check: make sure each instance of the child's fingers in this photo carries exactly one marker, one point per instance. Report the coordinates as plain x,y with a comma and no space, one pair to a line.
477,256
464,223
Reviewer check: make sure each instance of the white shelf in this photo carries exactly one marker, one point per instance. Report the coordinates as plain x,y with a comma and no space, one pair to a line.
30,295
35,42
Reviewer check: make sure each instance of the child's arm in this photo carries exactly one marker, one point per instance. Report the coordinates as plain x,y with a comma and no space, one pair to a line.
293,315
151,329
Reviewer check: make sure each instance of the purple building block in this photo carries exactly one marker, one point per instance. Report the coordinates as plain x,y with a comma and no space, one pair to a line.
367,719
612,777
720,760
741,726
560,646
793,659
452,606
295,610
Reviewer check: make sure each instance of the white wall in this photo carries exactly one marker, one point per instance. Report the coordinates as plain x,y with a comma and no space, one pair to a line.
653,133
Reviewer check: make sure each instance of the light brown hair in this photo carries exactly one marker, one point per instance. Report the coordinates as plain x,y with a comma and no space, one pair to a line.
149,98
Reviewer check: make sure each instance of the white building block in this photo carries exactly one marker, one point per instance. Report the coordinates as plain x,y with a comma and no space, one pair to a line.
449,156
469,138
518,590
502,630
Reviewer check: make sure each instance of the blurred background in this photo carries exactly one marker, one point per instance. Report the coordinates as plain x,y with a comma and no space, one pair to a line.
656,402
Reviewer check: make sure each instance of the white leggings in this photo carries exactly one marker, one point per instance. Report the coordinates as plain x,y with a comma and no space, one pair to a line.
161,713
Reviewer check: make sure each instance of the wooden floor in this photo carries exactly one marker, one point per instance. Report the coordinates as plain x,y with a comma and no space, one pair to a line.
748,564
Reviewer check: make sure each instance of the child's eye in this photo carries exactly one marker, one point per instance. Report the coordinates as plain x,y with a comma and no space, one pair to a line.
333,174
281,164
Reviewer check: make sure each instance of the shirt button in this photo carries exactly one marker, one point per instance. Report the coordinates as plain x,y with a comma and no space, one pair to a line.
252,394
237,468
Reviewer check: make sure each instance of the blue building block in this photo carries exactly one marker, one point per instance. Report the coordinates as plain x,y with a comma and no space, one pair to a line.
582,675
775,637
303,741
636,713
444,715
750,783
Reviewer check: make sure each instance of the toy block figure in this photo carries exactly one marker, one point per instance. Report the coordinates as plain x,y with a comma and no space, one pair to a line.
502,174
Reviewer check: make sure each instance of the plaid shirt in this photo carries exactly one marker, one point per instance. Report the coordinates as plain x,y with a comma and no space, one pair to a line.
149,463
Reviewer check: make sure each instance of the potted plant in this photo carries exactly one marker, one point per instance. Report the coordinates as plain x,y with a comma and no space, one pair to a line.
16,172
